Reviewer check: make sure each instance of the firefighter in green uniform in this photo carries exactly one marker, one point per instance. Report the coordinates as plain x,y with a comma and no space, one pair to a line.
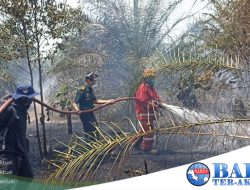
85,100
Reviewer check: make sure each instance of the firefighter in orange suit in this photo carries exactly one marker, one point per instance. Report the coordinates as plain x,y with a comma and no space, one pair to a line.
146,108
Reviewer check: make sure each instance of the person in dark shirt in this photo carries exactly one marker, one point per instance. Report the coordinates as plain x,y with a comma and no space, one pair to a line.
85,100
188,98
13,124
239,109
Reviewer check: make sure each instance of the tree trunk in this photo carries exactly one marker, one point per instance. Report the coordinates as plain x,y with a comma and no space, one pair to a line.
32,83
42,118
69,122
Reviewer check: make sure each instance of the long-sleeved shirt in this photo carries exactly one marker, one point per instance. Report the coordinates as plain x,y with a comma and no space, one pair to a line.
15,119
145,94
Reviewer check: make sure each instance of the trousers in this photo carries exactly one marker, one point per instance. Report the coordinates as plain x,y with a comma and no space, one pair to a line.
14,164
89,122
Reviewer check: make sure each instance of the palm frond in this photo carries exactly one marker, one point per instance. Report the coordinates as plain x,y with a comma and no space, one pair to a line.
195,130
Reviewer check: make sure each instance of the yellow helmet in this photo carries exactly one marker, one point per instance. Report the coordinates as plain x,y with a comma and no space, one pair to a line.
149,73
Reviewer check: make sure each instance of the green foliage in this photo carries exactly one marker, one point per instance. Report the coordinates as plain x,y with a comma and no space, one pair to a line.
28,26
63,97
71,62
35,24
6,78
224,30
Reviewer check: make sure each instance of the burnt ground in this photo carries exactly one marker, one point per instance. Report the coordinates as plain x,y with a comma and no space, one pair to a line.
178,152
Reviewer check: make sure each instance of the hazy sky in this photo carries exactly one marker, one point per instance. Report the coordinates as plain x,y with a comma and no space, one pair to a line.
186,3
186,7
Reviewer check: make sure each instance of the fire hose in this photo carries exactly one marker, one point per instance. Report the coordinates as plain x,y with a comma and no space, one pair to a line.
5,105
9,101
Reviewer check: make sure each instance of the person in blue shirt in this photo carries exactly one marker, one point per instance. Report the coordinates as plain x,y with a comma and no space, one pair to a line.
85,100
13,125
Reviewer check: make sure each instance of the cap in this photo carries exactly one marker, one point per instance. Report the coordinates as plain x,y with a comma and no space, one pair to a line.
91,76
24,91
148,73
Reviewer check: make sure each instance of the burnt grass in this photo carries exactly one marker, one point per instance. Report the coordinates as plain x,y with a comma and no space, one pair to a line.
137,163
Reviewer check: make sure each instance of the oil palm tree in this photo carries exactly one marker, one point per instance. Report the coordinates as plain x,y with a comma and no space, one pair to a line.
193,130
204,129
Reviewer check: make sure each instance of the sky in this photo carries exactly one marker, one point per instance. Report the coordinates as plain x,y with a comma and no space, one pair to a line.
186,4
189,7
186,7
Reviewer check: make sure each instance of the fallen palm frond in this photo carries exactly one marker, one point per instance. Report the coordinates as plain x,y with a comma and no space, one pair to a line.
198,131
